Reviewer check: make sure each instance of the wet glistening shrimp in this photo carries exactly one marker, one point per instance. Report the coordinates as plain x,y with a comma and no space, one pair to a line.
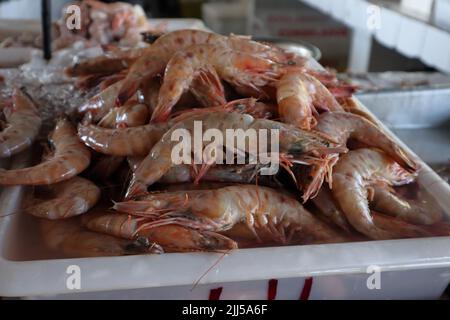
70,198
23,125
249,106
396,228
70,158
344,125
352,177
292,141
71,239
171,238
260,208
156,57
237,68
299,95
134,141
385,200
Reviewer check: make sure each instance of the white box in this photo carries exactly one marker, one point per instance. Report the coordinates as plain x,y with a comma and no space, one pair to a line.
441,14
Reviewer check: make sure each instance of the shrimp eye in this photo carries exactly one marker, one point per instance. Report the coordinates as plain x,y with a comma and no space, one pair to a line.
291,63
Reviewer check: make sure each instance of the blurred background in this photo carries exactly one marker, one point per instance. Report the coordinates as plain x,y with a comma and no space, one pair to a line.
342,47
396,52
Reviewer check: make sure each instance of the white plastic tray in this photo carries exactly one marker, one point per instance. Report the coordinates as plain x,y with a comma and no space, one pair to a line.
413,268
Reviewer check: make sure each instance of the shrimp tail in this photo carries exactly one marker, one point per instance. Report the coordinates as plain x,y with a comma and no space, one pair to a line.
398,227
181,239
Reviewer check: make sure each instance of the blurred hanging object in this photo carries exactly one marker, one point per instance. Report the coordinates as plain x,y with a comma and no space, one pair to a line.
46,29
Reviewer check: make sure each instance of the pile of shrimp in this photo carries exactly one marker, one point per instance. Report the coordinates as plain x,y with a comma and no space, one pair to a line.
102,24
107,184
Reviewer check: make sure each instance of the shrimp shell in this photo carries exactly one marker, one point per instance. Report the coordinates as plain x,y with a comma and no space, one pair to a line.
344,125
172,238
299,95
221,209
352,177
159,162
155,58
23,126
237,68
122,142
71,239
70,158
71,198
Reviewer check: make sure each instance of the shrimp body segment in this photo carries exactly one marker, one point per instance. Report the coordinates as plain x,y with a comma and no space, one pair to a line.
71,198
219,210
70,158
298,96
159,161
352,177
419,212
72,240
344,125
158,55
23,126
122,142
237,68
172,238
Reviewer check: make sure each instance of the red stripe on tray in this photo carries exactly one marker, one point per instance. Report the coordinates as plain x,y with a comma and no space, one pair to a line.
306,291
214,294
272,290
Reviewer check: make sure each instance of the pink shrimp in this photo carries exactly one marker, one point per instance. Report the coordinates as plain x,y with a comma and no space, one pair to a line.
261,208
156,57
237,68
70,158
352,177
23,125
299,95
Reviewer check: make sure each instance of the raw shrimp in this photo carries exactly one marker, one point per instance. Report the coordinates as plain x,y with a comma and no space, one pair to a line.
219,210
105,166
90,81
343,125
70,198
398,229
99,105
148,93
299,95
134,141
132,114
353,175
156,57
249,106
237,68
325,203
291,140
105,64
385,200
70,158
247,174
23,125
72,240
172,238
